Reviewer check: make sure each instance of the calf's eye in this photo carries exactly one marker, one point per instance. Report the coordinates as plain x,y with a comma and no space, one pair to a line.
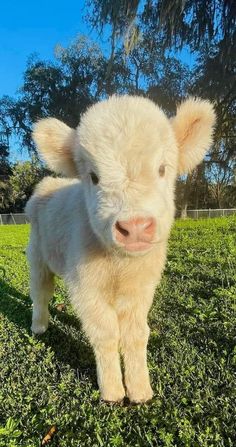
94,178
162,170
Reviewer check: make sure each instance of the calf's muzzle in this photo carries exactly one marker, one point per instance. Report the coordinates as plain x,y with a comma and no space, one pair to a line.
135,234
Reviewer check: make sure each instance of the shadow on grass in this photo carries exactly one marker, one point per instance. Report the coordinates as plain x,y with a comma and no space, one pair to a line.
64,335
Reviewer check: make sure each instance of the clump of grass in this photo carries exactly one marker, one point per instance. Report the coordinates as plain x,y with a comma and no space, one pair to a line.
192,356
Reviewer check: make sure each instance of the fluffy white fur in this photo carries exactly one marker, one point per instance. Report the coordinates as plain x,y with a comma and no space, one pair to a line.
124,141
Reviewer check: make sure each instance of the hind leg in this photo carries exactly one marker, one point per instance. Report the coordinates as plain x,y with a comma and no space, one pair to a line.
41,290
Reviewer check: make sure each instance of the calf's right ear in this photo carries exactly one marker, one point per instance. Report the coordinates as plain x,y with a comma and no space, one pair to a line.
55,142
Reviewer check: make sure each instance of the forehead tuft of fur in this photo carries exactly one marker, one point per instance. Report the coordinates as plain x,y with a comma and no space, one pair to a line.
128,126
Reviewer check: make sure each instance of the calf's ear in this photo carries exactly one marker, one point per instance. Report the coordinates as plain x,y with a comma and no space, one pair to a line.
55,142
193,128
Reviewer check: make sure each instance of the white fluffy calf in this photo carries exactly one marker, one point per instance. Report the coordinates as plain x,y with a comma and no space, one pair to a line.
105,230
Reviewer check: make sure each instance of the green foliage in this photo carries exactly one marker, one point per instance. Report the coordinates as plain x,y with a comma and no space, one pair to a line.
192,357
9,433
25,175
5,168
4,154
17,188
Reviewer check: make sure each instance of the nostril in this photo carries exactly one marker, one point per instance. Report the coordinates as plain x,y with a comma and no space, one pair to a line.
121,230
149,226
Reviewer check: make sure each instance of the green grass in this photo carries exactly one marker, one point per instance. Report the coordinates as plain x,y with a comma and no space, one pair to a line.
192,356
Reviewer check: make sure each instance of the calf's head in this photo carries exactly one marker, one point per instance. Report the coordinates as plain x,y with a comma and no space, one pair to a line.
128,154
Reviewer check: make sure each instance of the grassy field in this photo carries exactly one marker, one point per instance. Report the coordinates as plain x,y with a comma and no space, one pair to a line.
192,356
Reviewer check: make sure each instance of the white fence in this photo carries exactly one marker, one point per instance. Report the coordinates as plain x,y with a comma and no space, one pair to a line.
13,219
20,218
208,213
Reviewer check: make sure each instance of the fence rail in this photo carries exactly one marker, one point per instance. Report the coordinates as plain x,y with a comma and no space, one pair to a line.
20,218
208,213
13,219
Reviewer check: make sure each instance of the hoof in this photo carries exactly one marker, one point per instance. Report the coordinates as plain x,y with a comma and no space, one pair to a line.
38,329
113,397
140,396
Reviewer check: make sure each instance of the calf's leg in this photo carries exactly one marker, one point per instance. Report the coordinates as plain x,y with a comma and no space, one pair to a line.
101,326
134,333
41,290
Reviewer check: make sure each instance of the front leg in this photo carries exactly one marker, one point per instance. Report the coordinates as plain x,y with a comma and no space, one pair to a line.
134,333
100,323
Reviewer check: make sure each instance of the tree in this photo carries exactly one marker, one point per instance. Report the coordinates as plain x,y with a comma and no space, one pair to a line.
163,78
25,175
4,154
5,168
179,22
216,82
4,142
221,181
219,85
63,89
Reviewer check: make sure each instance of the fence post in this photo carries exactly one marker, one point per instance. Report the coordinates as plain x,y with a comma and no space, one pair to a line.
1,219
13,219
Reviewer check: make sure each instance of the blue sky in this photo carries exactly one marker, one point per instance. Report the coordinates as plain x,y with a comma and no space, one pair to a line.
32,26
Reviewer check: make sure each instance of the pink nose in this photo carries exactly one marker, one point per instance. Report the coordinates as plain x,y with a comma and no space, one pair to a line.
135,231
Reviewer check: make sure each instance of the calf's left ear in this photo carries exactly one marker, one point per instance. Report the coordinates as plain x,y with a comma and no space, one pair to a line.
193,127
